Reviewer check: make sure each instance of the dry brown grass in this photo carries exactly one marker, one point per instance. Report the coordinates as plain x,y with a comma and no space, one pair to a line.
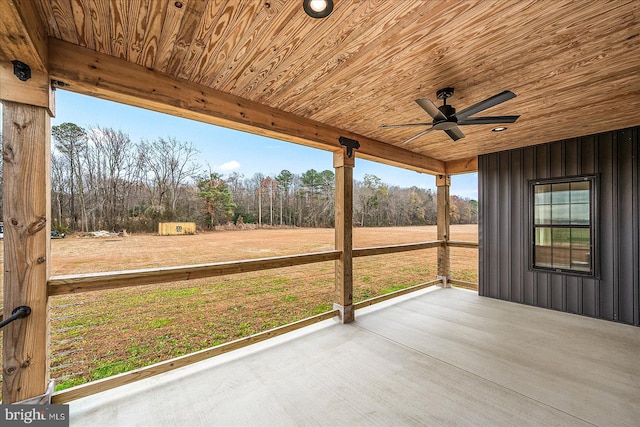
98,334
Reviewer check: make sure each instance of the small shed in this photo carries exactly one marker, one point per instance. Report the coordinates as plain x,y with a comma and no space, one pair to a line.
176,228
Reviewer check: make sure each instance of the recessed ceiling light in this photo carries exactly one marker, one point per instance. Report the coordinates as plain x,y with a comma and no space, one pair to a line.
318,8
498,129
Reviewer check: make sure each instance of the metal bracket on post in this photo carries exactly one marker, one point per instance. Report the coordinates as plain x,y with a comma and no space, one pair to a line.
349,144
346,312
21,70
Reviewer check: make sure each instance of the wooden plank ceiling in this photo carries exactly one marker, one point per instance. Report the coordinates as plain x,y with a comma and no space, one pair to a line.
575,66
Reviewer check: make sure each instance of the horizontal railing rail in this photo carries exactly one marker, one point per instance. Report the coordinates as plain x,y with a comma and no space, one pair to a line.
61,285
461,244
76,283
391,249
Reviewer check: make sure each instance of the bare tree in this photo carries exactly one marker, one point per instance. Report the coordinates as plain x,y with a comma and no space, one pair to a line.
115,169
169,163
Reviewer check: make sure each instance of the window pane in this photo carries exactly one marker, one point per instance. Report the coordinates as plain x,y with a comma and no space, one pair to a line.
543,215
560,193
543,247
563,217
580,192
580,249
580,213
542,194
560,214
561,238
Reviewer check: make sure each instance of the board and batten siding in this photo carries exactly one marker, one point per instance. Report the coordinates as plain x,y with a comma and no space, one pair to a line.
504,222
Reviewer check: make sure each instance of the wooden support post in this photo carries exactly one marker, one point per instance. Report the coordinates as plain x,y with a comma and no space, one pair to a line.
443,182
27,206
343,220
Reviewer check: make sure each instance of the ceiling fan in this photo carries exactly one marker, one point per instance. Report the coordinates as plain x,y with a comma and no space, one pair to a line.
445,117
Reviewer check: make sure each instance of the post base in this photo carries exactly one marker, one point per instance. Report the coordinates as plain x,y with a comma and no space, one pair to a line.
346,312
445,281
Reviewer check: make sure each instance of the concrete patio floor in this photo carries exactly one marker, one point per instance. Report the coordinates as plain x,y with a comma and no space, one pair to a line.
435,357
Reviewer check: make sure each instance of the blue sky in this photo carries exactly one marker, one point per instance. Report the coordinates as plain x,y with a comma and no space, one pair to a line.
227,150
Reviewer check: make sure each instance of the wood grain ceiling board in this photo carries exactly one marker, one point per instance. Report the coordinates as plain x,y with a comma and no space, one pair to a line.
575,66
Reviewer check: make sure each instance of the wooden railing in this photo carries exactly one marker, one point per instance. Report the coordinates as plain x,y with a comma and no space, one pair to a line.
61,285
69,284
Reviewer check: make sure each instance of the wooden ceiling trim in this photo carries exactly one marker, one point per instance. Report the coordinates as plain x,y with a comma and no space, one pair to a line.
22,34
241,36
170,27
119,27
305,40
63,14
215,15
292,29
100,17
136,24
285,64
258,29
107,77
236,15
45,10
183,38
155,18
348,60
84,26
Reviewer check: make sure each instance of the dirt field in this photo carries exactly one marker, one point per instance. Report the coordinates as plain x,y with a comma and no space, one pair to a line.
87,255
98,334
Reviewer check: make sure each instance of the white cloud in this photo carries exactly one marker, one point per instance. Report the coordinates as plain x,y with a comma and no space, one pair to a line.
229,166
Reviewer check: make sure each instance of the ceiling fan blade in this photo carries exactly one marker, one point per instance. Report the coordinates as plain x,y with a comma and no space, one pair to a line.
406,125
488,120
431,108
487,103
455,133
418,135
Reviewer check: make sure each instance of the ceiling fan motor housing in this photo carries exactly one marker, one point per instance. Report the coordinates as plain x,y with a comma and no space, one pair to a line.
447,110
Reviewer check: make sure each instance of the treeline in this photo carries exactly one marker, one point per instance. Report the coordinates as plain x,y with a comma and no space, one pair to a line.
101,179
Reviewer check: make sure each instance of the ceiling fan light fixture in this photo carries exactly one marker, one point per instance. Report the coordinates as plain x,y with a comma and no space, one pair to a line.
318,8
499,129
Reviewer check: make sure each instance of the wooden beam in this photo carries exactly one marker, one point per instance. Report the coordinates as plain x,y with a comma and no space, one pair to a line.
392,249
443,183
27,207
462,244
61,285
344,233
391,295
103,76
23,35
467,165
